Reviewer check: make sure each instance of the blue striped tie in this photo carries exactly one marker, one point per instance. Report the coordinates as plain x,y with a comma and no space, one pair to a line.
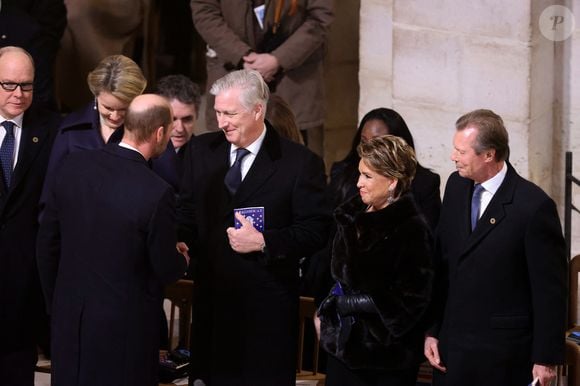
476,204
7,152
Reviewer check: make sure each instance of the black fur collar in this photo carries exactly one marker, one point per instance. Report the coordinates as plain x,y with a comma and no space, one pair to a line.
373,226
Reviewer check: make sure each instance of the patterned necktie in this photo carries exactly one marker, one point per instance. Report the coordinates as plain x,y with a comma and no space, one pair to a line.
476,204
7,152
233,177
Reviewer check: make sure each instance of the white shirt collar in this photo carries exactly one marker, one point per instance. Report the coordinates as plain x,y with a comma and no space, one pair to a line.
127,146
493,184
254,147
17,119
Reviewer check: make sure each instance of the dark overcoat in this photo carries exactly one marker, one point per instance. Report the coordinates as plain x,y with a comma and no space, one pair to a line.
21,304
106,248
245,305
502,289
386,255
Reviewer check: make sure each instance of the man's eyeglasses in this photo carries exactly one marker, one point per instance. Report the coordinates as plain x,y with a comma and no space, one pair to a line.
11,86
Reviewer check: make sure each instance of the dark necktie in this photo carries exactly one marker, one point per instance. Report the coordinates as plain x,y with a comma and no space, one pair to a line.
476,204
258,31
233,177
7,152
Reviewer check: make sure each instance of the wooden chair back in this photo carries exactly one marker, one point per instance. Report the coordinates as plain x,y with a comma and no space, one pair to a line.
180,296
306,314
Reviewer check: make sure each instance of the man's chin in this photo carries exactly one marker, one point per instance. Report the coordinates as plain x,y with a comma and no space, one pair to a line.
177,144
231,136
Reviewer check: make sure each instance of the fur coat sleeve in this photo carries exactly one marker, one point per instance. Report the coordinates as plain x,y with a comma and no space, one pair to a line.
387,256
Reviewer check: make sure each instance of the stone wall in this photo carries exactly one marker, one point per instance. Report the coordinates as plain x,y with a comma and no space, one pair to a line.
570,102
434,61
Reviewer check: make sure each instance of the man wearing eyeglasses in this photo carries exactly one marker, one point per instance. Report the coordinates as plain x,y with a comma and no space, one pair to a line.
26,136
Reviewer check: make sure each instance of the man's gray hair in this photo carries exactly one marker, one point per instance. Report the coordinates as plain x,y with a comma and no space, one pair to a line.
254,89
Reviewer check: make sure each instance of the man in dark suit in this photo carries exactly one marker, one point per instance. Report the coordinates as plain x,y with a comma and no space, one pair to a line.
245,281
106,248
26,136
500,299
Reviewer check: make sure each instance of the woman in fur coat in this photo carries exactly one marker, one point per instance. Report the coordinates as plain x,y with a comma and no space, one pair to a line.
372,323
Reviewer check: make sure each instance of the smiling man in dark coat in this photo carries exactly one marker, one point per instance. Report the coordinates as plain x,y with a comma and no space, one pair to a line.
245,281
502,285
106,247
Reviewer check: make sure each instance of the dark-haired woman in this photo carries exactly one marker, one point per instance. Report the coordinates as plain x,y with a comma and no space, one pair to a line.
344,174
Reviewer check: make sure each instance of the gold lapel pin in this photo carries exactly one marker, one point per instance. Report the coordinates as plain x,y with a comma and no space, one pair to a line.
35,139
492,221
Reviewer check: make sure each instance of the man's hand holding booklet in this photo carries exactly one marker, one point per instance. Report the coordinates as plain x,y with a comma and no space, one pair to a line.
255,215
246,234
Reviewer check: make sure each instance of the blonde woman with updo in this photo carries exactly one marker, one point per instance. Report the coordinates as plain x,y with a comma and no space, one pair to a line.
115,82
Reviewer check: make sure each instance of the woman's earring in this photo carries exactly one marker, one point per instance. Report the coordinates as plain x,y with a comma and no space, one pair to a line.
391,193
95,106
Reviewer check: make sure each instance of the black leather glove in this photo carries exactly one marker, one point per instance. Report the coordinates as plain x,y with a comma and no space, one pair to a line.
355,304
327,304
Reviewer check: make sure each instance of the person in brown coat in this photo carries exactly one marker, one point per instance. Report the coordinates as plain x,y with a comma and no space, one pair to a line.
286,45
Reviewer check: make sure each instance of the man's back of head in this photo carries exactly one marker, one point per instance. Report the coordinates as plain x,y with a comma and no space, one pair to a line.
148,124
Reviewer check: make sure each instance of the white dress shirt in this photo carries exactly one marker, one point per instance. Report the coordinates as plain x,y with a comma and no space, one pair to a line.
490,187
249,159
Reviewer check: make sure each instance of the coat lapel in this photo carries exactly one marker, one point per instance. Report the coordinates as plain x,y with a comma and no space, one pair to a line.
262,169
32,141
220,160
495,212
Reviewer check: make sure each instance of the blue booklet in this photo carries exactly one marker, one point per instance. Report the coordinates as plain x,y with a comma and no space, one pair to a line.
253,214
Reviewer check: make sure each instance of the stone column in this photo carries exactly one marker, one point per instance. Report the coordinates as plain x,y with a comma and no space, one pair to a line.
434,61
569,98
